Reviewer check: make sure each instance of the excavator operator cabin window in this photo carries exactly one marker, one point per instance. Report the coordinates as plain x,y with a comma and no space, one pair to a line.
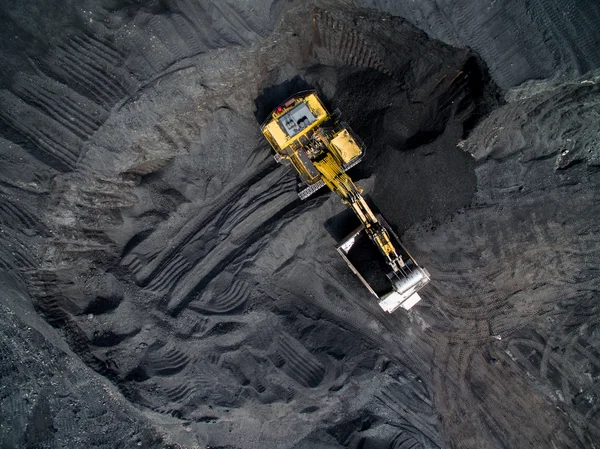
296,120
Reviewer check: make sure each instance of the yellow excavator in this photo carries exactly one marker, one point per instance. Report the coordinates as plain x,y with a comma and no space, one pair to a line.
322,149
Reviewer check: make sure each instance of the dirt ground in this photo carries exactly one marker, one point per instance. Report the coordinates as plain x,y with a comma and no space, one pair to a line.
162,286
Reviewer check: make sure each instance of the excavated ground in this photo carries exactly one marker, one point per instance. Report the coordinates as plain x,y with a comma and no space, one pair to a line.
163,286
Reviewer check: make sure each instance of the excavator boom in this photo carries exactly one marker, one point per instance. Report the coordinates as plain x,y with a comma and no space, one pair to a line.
321,149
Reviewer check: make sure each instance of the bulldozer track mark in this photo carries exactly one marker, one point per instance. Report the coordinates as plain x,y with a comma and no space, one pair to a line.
57,107
56,148
485,312
300,365
92,81
133,263
193,37
441,363
97,49
551,18
167,362
208,25
423,423
217,260
198,16
180,393
167,31
233,23
10,214
164,410
240,212
286,393
230,300
455,302
90,66
155,56
223,302
174,138
410,407
169,277
46,290
102,49
51,310
22,258
348,45
93,67
588,353
98,198
548,363
192,230
404,440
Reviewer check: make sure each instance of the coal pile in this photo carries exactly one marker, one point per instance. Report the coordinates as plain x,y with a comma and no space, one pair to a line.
164,287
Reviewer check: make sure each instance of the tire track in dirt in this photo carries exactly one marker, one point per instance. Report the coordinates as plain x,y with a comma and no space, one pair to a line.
557,361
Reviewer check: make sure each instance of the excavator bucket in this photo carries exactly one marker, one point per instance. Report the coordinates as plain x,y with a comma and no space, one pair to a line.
392,289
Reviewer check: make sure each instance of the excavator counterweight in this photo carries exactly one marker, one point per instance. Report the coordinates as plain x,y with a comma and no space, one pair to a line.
322,149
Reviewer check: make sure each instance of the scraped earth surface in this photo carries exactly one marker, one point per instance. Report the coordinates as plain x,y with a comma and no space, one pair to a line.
163,285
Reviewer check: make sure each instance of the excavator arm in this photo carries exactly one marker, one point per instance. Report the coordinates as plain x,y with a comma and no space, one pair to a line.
339,182
321,149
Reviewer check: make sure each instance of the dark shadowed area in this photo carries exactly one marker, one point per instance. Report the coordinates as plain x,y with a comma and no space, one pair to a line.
163,286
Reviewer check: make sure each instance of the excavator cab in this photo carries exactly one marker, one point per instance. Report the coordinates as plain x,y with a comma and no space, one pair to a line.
301,129
322,149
